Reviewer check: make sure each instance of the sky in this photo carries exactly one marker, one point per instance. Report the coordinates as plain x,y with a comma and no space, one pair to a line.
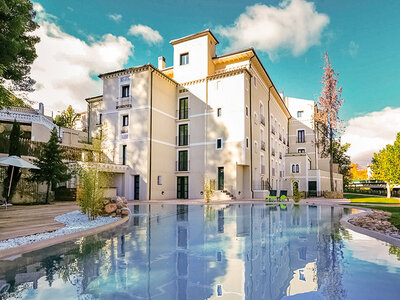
80,39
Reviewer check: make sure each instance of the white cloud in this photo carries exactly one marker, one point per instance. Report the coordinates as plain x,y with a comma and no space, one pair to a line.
150,35
295,26
353,48
115,17
370,133
66,68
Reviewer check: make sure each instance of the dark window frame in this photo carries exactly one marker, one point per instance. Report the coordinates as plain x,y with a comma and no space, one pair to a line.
184,59
183,135
125,91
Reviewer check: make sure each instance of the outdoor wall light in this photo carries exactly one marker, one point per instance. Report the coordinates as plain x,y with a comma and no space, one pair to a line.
201,193
239,192
162,192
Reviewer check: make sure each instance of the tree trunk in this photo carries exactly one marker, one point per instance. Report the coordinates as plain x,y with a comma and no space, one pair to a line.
47,192
388,190
331,156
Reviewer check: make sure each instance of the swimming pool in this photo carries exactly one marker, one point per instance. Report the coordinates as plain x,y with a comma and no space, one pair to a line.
246,251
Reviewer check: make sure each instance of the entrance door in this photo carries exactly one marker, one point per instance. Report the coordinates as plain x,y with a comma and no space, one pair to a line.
136,187
312,188
221,178
182,187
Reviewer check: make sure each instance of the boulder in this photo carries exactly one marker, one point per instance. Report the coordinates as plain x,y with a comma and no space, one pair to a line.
125,212
110,208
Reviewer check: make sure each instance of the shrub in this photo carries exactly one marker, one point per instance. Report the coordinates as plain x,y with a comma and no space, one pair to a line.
90,192
209,187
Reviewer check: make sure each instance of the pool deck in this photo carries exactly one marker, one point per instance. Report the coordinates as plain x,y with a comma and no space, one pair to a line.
23,220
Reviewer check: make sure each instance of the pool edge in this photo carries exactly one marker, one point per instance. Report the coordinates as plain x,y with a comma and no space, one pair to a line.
344,221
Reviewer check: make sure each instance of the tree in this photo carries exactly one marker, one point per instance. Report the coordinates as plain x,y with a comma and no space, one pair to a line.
357,173
14,149
341,158
52,169
386,165
330,102
17,45
67,118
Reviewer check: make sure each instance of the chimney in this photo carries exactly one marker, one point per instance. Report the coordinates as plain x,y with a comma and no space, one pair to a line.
161,62
41,108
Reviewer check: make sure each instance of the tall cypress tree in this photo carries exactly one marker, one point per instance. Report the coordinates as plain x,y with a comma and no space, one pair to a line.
14,149
52,169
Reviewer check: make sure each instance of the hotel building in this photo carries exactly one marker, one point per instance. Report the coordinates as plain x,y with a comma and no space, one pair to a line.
206,117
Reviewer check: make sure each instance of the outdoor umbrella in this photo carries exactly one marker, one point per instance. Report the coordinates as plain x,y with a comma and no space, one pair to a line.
15,161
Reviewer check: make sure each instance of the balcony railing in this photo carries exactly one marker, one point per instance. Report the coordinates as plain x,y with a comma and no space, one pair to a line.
284,141
280,155
262,119
273,130
301,140
182,166
124,129
124,102
280,137
262,145
182,140
182,114
273,152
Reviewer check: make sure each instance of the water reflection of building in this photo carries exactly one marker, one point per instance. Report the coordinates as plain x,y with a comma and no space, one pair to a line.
195,252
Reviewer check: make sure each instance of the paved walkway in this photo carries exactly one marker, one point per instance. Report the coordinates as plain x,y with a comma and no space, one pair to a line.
25,220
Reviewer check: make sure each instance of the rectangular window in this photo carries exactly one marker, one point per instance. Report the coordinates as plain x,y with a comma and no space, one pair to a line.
182,187
255,81
218,112
183,135
301,150
159,180
295,168
301,136
124,154
125,120
219,143
184,59
100,120
125,91
183,161
300,114
247,111
183,109
247,142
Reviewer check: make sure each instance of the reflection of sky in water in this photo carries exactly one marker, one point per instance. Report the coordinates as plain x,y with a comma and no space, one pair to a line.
212,252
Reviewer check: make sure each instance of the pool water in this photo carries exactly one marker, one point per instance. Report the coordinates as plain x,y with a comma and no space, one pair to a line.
246,251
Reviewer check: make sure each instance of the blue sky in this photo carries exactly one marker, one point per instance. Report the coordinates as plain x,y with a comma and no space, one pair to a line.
361,38
368,74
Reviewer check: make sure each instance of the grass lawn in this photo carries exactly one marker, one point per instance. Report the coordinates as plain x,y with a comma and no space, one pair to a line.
394,218
357,198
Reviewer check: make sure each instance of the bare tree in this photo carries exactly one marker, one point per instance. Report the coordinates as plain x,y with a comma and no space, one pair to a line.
329,103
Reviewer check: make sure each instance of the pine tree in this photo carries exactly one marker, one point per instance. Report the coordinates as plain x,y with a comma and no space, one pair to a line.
52,169
330,103
14,149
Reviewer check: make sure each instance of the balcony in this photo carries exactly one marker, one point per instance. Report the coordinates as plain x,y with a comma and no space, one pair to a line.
123,102
262,119
124,129
262,145
262,169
